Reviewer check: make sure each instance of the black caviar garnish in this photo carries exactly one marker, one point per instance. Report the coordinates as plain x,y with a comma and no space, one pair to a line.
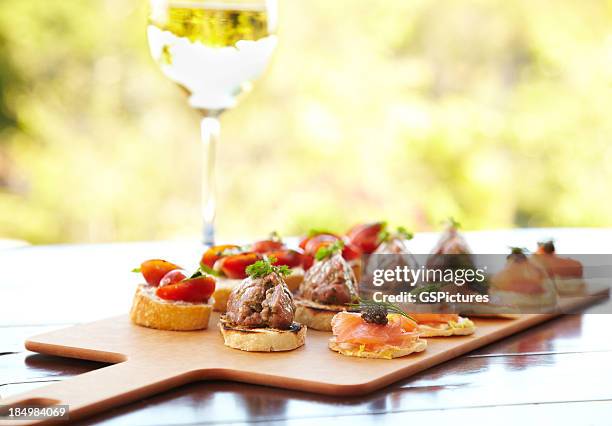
375,314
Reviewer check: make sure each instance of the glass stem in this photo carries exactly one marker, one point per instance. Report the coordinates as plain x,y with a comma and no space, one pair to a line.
210,128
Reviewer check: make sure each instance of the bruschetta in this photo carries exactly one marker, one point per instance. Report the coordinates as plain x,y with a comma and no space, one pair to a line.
171,299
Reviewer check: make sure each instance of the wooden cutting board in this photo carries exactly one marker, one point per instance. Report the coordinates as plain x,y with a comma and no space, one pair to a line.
149,361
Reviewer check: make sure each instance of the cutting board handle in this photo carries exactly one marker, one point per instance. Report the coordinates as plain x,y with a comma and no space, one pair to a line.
107,387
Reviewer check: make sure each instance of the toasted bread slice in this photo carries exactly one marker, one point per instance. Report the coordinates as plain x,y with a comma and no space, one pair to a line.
386,352
463,327
522,301
148,310
262,339
222,291
570,286
316,315
294,279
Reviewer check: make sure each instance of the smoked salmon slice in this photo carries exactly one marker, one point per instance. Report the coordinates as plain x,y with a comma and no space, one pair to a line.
349,327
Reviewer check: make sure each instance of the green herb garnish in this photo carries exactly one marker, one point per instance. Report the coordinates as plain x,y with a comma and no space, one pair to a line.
366,305
384,236
264,267
451,222
196,274
208,270
407,235
329,250
401,233
518,253
137,270
547,245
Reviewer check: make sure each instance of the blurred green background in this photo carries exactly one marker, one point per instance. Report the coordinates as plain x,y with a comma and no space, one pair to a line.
495,112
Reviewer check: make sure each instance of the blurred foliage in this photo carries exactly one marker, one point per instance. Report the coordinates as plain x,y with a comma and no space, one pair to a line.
494,112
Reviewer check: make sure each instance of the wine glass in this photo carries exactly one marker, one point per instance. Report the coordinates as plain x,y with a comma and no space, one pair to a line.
213,50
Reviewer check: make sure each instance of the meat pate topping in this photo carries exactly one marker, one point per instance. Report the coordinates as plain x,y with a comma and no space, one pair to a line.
261,302
330,281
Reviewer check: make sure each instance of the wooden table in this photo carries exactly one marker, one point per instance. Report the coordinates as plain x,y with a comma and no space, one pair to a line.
559,372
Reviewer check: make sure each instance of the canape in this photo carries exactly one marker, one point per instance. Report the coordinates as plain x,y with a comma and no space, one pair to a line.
443,325
318,238
453,252
375,333
328,286
523,283
565,272
171,299
260,312
392,253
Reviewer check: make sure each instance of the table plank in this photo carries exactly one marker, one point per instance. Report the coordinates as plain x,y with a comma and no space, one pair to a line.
12,338
598,413
527,364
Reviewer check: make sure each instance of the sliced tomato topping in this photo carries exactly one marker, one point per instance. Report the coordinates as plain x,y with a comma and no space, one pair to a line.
307,261
318,241
234,266
173,277
351,252
290,258
366,236
266,246
154,270
193,290
217,252
305,240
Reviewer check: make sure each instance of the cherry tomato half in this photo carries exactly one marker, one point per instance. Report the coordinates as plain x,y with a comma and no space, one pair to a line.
234,266
173,277
265,246
304,241
154,270
217,252
366,236
351,252
193,290
290,258
318,241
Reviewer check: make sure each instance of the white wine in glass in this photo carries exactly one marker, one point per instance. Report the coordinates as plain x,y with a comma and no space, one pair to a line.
213,50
